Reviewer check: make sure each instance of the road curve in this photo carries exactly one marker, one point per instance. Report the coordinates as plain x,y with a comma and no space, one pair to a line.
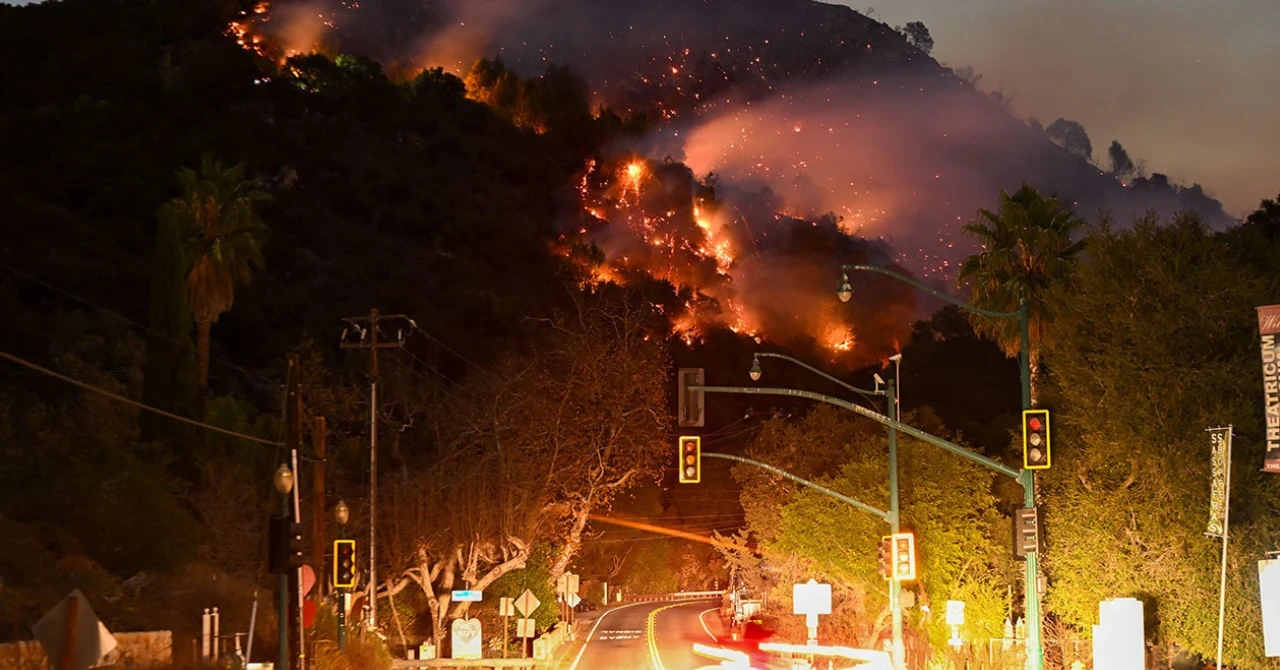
650,636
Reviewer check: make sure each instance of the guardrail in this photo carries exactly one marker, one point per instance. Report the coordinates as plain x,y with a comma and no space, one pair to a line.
467,663
668,597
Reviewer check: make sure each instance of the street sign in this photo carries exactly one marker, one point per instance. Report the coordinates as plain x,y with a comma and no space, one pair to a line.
90,641
466,597
466,638
309,609
506,607
526,627
567,583
527,603
573,583
308,579
811,598
955,612
573,599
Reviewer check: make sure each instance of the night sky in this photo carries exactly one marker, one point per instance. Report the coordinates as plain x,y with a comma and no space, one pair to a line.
1190,86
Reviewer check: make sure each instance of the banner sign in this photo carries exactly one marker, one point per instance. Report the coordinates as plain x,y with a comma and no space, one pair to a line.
1269,328
1220,445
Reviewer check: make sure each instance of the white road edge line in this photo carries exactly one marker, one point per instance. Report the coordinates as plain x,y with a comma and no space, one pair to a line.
704,625
592,634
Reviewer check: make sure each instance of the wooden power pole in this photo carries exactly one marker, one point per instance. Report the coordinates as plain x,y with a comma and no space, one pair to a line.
318,511
366,327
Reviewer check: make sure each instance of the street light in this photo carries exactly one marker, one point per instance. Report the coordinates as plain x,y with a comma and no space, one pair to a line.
1035,648
283,481
893,516
846,289
340,514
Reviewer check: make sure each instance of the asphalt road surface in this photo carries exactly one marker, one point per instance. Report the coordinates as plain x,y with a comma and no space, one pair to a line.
651,636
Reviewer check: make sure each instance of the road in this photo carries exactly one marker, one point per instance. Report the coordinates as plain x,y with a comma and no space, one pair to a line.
650,636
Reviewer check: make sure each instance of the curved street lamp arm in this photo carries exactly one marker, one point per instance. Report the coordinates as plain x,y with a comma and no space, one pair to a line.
863,392
874,416
803,482
930,290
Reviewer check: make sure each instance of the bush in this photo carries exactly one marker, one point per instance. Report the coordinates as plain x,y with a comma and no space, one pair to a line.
363,652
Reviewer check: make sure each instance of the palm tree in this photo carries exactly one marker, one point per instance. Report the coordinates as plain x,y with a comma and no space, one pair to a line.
223,238
1027,247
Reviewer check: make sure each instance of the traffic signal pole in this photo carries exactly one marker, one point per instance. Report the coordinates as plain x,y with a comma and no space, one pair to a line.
895,587
1035,639
1027,478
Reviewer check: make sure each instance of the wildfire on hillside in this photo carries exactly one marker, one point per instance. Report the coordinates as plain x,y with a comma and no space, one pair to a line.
740,256
765,279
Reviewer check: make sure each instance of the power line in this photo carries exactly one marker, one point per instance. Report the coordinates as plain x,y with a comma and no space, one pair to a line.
455,353
135,403
122,317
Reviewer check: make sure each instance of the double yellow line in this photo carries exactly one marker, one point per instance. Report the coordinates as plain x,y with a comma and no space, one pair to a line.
650,630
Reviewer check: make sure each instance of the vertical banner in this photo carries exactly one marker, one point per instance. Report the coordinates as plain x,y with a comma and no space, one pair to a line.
1220,451
1269,328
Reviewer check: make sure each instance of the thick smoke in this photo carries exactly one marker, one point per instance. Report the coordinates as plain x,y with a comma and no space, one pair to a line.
832,138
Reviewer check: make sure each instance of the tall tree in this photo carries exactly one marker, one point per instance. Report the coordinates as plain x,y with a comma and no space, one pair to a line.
1070,135
1027,248
1121,165
169,379
1158,341
223,238
918,35
1267,217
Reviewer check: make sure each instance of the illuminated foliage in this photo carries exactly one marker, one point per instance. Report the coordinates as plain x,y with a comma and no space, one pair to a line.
1156,342
947,502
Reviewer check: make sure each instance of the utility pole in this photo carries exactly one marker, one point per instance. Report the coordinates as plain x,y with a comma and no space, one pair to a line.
318,510
367,329
293,437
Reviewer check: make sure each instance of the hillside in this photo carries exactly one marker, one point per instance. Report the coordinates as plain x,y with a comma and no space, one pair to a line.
833,110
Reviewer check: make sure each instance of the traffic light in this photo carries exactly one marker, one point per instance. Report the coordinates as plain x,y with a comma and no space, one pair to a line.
692,413
344,564
690,459
296,548
904,557
1035,439
886,557
1026,532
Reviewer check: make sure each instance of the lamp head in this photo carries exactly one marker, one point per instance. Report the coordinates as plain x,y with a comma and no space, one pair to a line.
896,358
341,512
845,292
283,479
756,370
879,381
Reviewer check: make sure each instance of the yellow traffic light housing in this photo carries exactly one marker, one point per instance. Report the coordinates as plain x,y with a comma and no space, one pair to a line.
690,459
1035,439
344,564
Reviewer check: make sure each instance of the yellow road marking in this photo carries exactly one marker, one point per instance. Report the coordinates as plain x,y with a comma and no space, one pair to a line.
650,629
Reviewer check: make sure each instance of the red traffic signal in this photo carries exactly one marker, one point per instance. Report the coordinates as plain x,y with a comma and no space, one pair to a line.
1035,439
344,564
690,459
886,557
